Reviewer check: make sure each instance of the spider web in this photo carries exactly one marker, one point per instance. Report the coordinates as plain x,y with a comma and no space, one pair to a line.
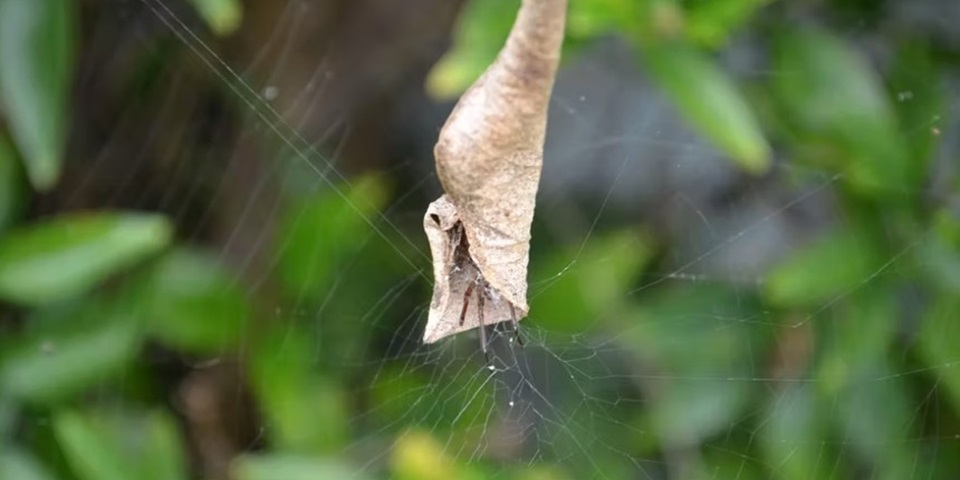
648,352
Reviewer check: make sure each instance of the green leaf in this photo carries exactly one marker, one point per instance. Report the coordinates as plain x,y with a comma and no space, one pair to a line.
223,16
305,412
543,471
47,368
11,191
481,31
8,417
835,100
856,338
793,436
937,346
945,226
877,420
67,256
321,231
687,337
938,252
824,271
191,302
869,401
708,98
712,22
90,451
291,467
593,18
692,410
636,20
397,392
728,461
120,445
417,455
941,263
18,465
35,52
917,88
689,329
574,287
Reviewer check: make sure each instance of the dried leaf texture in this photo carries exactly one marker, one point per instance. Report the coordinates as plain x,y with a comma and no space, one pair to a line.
489,155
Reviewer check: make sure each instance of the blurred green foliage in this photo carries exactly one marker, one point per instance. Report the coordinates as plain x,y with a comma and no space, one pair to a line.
223,16
36,42
67,256
115,445
821,372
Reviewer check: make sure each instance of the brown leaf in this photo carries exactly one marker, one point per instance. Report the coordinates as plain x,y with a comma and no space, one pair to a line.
489,155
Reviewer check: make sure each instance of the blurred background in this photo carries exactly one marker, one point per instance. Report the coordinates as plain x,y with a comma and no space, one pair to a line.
745,260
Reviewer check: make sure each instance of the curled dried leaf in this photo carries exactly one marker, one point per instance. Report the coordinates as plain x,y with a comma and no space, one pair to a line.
489,155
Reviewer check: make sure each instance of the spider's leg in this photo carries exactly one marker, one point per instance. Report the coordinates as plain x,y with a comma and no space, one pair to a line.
516,325
466,302
483,329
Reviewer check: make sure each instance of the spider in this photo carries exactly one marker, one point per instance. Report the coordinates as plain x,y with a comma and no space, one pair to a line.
463,261
484,291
